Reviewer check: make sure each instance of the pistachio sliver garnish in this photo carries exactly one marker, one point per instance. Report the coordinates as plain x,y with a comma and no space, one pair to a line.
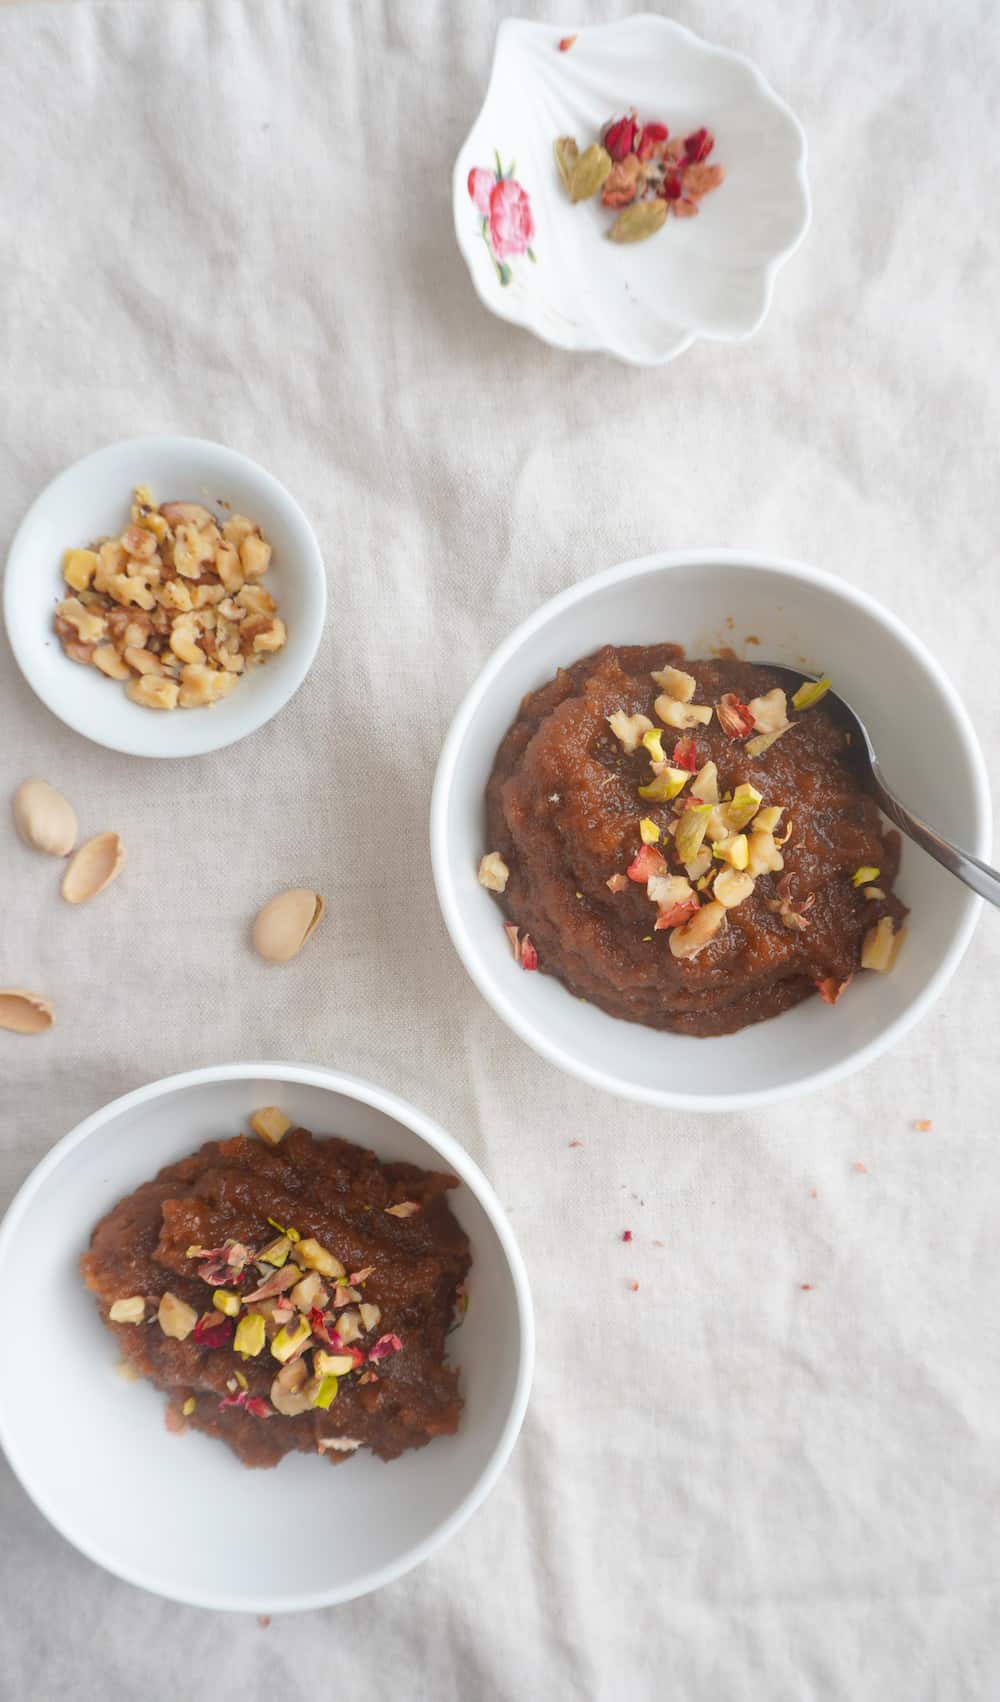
865,875
276,1252
810,692
649,833
763,741
666,785
691,830
744,806
224,1300
291,1340
326,1393
251,1334
733,850
653,741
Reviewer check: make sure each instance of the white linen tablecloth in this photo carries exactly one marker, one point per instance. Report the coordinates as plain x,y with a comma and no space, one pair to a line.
233,219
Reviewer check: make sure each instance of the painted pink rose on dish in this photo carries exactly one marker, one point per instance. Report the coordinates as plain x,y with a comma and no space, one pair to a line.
506,220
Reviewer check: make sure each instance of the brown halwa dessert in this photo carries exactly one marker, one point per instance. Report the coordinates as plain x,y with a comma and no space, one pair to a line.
682,846
289,1294
174,607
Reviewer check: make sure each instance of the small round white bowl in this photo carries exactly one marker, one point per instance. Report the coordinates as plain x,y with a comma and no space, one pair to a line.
925,740
91,500
179,1514
710,277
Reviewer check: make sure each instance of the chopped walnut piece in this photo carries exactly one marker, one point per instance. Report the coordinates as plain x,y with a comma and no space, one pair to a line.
676,683
695,935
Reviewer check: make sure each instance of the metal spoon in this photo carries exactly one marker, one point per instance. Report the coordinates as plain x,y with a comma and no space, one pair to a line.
979,876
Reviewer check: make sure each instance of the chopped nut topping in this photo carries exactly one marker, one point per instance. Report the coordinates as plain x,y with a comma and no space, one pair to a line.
628,729
405,1208
881,946
270,1124
316,1258
681,715
705,785
173,565
770,712
734,717
493,872
175,1317
676,683
666,785
653,741
810,692
131,1311
731,887
733,850
695,935
865,875
649,833
763,855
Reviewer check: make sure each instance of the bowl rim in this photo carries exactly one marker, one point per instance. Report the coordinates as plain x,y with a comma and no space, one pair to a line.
449,1149
506,310
489,985
312,565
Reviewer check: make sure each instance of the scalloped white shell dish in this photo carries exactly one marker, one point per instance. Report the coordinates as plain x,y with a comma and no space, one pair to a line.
711,276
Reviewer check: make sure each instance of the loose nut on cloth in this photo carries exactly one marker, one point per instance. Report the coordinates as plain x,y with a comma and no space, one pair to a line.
285,923
44,818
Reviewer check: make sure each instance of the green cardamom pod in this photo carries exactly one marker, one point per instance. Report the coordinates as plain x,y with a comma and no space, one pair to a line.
567,153
640,220
589,173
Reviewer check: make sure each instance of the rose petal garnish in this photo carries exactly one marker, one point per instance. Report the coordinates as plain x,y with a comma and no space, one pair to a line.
653,741
619,138
384,1346
646,862
649,833
677,915
666,785
237,1400
529,956
865,875
565,43
699,145
282,1279
830,989
691,830
685,755
258,1407
213,1331
810,692
616,883
361,1276
734,716
405,1208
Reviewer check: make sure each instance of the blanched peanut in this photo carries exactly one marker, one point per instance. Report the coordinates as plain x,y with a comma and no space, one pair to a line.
108,660
152,692
695,935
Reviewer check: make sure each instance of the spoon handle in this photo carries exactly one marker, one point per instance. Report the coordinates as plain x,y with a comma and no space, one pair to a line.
978,875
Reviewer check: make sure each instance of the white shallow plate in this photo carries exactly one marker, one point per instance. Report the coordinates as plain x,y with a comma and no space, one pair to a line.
704,600
91,500
179,1514
712,276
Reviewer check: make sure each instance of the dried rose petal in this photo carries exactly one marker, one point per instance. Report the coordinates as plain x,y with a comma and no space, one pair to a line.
699,145
677,914
626,1234
566,43
619,138
480,185
256,1405
672,187
617,883
213,1330
646,863
830,989
361,1276
735,718
284,1278
237,1400
384,1346
650,135
685,755
529,956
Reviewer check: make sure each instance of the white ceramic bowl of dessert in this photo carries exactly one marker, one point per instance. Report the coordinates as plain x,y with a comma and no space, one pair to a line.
90,500
544,264
803,618
180,1515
